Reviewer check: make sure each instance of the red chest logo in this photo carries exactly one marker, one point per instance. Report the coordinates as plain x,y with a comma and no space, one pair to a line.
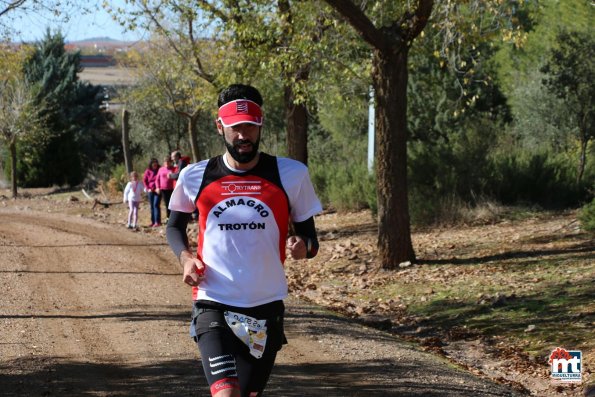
230,188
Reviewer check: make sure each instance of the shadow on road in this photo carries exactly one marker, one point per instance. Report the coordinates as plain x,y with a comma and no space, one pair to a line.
54,377
179,315
578,249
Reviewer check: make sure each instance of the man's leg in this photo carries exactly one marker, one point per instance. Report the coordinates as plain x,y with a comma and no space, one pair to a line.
218,350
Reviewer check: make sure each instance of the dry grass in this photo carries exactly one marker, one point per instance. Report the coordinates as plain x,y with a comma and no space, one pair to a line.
522,281
113,75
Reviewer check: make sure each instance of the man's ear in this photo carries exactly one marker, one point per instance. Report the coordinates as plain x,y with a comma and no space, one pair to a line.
219,127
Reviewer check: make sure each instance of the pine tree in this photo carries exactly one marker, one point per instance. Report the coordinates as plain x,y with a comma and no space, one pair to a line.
70,109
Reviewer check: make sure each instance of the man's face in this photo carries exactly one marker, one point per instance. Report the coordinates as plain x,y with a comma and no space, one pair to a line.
241,141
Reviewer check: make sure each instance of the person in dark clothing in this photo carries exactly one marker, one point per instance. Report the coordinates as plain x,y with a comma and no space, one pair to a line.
180,162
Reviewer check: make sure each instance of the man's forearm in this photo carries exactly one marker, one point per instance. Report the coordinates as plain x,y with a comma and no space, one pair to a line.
176,233
307,231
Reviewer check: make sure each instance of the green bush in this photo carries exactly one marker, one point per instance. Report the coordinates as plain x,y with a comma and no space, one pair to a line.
347,188
118,179
449,173
451,178
542,178
587,216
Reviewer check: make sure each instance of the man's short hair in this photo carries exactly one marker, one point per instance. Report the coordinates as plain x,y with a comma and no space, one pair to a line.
239,91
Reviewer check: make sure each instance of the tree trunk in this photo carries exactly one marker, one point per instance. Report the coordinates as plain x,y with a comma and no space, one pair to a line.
583,160
390,86
296,114
13,166
296,117
126,140
390,44
193,136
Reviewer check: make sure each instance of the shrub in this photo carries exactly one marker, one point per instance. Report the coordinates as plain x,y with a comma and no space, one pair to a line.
587,216
345,188
541,178
117,180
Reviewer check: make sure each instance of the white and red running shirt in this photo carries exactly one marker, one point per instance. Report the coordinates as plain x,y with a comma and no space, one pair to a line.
243,224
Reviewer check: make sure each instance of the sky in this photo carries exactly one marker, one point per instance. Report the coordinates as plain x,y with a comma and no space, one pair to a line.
31,26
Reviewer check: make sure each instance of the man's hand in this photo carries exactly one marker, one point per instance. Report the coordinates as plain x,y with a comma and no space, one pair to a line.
297,247
193,269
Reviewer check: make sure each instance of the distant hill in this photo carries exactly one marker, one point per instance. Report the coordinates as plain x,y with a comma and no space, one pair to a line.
100,45
104,39
94,39
105,42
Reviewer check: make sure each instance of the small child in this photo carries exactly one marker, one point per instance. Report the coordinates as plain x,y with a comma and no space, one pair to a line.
132,195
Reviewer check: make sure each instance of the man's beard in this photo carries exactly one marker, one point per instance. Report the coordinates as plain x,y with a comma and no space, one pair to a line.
242,158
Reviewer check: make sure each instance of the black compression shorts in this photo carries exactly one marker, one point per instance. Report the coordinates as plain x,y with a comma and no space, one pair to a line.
226,360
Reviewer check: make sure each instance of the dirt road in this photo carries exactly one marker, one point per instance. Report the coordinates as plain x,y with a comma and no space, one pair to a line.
92,309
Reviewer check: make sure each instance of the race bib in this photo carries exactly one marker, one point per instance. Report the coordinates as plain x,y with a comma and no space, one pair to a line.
252,332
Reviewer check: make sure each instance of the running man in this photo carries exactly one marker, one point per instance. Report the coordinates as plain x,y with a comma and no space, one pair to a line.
245,200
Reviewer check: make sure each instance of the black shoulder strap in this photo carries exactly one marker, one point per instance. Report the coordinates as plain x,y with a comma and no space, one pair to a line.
268,168
214,170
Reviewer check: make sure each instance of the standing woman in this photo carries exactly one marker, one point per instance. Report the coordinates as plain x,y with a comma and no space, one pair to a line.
150,182
165,185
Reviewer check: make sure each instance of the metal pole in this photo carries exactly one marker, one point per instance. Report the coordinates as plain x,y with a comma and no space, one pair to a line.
126,140
371,132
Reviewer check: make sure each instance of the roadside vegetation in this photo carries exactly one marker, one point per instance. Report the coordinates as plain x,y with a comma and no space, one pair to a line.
495,296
